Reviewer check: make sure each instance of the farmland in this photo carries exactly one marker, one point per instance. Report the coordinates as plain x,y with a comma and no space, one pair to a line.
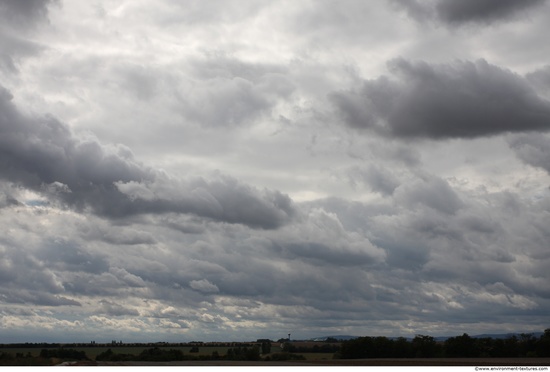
363,351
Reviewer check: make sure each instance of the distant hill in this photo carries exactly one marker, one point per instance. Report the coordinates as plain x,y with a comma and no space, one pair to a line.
439,338
508,335
339,338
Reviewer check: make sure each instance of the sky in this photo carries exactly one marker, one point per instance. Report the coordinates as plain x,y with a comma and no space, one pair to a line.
237,169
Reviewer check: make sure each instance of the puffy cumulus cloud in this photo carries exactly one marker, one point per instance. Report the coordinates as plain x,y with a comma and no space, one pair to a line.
43,155
440,101
469,11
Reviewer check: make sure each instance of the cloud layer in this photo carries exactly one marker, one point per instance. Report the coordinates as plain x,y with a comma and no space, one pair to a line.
236,170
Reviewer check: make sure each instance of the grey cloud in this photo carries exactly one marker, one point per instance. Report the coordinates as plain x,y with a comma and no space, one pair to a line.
18,18
183,225
233,101
6,198
220,65
136,79
35,276
104,284
379,179
222,199
43,154
24,13
466,11
217,11
13,49
64,255
418,10
321,238
204,286
225,91
432,192
22,296
533,149
115,309
126,277
458,100
541,79
38,151
481,10
117,235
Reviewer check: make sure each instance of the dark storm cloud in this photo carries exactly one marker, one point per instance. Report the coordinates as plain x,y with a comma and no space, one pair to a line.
466,11
481,10
42,154
439,101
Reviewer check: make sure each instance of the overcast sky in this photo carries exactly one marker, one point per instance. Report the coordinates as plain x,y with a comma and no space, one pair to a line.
233,170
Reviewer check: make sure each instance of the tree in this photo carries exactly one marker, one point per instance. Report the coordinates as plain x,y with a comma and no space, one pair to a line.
424,346
266,347
461,347
402,348
543,344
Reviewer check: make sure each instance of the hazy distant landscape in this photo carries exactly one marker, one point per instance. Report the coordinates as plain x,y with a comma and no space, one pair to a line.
520,349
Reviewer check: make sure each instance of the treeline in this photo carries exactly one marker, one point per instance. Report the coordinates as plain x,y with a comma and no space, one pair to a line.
62,353
164,355
526,345
297,348
19,359
46,357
